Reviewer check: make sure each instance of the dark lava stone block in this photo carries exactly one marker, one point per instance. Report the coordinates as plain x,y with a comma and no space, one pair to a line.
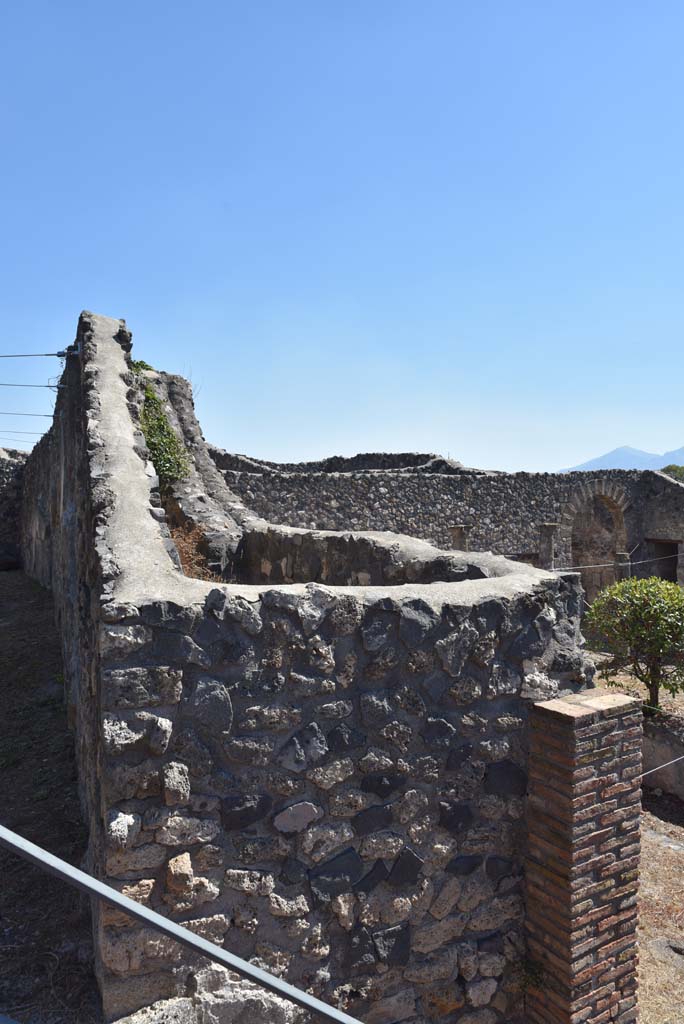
293,872
459,757
377,874
406,868
372,819
382,783
393,945
336,876
343,738
438,732
455,816
463,865
241,809
360,955
504,778
499,867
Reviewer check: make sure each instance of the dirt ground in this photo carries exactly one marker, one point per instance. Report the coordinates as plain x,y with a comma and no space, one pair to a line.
661,947
46,974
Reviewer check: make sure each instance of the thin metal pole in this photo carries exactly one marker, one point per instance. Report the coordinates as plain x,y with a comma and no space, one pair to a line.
29,851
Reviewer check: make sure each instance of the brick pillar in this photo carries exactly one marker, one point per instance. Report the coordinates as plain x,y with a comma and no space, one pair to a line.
582,866
459,536
547,544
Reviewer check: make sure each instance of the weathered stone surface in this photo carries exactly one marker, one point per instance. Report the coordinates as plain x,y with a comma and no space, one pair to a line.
463,865
297,817
180,830
343,738
393,945
410,805
377,874
211,705
270,717
141,687
135,863
256,883
381,845
449,895
122,829
304,749
140,891
437,732
437,934
479,993
329,775
361,954
392,1009
258,753
347,802
176,781
121,641
344,909
336,876
320,840
282,907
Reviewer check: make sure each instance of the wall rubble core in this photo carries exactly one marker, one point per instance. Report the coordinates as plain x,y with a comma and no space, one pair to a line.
323,762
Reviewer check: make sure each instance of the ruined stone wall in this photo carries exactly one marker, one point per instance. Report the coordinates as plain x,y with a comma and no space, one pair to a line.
503,512
329,780
11,471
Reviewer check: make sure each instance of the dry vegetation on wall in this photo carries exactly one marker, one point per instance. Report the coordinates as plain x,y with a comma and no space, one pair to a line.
189,540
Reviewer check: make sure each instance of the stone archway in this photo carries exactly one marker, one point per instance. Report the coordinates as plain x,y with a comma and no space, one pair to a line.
593,532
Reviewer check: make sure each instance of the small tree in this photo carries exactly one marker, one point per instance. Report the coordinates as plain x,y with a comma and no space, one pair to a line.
675,471
641,622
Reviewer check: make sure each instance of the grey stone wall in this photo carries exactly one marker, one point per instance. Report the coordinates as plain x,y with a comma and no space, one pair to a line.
11,471
502,512
328,779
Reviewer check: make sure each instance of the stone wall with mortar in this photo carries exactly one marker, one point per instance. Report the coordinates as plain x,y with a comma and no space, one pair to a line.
502,512
11,471
328,779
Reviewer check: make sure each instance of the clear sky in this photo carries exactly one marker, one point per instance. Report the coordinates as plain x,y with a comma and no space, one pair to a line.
358,225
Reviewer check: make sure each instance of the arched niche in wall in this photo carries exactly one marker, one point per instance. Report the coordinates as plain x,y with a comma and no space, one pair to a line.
593,532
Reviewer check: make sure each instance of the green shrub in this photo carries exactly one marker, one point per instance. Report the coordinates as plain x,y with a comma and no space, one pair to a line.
167,451
677,472
641,622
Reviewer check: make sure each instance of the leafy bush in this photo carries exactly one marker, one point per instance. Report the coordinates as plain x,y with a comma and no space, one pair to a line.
677,472
641,622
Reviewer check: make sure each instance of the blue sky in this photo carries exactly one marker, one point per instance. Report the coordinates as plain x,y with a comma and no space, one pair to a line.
357,226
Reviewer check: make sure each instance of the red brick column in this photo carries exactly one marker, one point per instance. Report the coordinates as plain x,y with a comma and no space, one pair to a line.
582,869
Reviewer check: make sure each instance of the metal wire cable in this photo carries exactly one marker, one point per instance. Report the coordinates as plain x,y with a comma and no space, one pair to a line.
51,386
47,415
33,355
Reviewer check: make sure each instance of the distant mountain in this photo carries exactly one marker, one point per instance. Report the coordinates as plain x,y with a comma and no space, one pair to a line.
630,458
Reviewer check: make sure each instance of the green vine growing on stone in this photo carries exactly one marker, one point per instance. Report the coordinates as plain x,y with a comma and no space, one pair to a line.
138,365
167,451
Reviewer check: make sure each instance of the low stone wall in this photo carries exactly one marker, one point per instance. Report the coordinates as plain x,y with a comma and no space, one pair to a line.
11,472
329,779
663,743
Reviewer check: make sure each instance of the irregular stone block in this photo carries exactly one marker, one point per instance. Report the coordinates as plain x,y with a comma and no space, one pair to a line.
140,891
438,732
505,779
176,784
238,810
120,641
455,816
392,1009
463,865
439,933
406,868
255,883
381,845
141,687
282,907
393,945
270,717
304,749
135,863
336,876
297,817
179,830
372,819
258,753
360,955
382,784
377,874
343,738
320,840
122,829
329,775
210,704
